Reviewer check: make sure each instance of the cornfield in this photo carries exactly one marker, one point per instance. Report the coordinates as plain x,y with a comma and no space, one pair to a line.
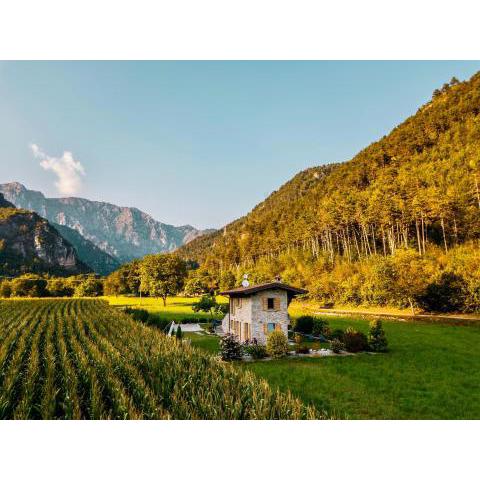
82,359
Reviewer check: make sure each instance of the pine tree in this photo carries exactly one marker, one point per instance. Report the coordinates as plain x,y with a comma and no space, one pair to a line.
179,334
377,339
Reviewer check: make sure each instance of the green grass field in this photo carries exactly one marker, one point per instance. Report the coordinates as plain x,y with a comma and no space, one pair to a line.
209,343
432,371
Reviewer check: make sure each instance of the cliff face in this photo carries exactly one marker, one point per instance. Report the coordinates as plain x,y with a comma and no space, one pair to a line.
28,243
98,260
124,233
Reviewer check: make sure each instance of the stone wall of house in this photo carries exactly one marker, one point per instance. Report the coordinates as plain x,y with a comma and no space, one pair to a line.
241,314
225,328
252,311
260,317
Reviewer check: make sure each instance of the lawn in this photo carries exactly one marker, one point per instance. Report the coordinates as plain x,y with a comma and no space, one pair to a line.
431,371
206,342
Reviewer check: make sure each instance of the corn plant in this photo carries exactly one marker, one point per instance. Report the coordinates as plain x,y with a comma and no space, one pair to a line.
81,359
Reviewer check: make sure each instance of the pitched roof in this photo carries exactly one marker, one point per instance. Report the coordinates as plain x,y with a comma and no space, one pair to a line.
264,286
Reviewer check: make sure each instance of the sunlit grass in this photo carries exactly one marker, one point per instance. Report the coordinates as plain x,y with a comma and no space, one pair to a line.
178,308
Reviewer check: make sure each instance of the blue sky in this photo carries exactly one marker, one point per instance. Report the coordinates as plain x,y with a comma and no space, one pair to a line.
197,142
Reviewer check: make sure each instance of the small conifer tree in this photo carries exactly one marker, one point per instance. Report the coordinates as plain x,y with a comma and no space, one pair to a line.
179,334
377,339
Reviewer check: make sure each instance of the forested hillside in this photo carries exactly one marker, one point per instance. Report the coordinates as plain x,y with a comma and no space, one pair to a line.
408,204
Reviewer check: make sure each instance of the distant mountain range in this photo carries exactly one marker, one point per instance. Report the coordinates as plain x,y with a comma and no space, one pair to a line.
29,243
103,234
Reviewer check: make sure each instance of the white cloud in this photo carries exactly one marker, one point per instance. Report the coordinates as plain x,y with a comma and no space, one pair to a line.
70,172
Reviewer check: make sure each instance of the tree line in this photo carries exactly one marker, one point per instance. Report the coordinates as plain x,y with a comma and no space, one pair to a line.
159,275
33,285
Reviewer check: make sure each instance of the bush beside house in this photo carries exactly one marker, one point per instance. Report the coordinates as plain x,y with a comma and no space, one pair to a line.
277,344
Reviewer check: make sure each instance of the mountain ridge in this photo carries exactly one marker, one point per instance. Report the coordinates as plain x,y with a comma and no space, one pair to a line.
124,233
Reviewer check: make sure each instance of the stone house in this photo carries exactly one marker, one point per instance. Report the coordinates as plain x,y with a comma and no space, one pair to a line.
257,310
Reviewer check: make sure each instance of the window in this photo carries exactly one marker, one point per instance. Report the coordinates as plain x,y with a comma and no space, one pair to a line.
270,327
238,303
246,331
270,303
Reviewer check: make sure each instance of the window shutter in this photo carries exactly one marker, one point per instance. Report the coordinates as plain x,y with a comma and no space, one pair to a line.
278,327
265,329
264,303
276,303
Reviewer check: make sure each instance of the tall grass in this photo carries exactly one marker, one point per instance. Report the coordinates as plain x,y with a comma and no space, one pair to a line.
81,359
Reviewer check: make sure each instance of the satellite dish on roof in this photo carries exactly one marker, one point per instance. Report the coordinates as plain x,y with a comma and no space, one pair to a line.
245,282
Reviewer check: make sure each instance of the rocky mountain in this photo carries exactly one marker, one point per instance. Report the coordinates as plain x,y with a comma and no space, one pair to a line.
121,232
98,260
28,243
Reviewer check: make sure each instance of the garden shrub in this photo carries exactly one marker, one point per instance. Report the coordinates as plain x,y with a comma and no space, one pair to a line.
320,327
338,334
256,350
298,338
302,348
336,345
277,344
230,348
303,324
377,340
355,341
